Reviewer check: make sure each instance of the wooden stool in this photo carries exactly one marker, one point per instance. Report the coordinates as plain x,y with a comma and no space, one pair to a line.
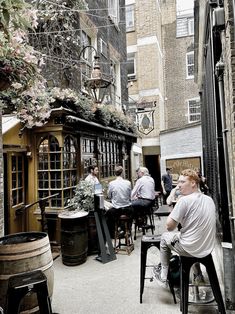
146,243
20,285
141,221
186,264
128,245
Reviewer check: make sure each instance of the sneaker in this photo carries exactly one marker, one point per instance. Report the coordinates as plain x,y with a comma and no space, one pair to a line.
157,276
198,279
121,234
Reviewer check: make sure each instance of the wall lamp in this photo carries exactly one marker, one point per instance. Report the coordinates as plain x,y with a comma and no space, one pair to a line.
96,86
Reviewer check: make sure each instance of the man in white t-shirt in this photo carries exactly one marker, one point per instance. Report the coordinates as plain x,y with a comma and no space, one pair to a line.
92,176
196,214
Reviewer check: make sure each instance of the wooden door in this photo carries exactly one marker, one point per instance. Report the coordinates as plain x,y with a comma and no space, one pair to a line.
14,207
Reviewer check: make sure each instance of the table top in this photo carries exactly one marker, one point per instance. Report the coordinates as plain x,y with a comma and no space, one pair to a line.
163,210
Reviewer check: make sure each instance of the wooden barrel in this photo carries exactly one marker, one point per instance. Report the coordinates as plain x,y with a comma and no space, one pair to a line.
74,238
93,241
21,253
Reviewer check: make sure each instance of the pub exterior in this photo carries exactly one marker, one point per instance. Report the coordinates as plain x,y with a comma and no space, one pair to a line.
51,160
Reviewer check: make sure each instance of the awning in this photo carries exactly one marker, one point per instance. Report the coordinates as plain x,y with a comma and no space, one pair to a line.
8,122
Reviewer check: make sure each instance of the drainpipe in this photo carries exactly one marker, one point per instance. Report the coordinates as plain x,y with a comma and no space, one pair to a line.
228,254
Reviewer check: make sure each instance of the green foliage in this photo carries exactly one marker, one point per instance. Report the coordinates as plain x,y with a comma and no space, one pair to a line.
84,197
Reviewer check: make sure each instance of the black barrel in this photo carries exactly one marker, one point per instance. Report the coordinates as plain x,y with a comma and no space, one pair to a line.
74,238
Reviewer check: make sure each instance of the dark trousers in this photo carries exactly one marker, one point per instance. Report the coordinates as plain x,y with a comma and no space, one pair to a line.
113,214
165,197
140,206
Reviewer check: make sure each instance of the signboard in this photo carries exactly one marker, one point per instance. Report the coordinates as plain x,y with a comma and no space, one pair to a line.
180,164
145,121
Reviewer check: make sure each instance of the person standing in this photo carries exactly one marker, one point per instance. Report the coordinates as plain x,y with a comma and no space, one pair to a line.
119,192
166,184
92,176
195,212
143,193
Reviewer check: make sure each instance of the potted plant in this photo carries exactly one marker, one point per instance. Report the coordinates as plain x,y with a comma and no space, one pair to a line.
84,200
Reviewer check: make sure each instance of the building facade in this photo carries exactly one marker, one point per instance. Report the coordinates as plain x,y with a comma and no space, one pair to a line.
181,145
214,51
162,91
46,162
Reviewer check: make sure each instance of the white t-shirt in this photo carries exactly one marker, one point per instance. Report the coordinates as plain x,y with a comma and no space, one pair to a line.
92,179
196,214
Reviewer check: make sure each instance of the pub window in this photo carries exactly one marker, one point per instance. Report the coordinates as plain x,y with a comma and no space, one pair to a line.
190,65
57,170
194,110
109,158
17,170
88,151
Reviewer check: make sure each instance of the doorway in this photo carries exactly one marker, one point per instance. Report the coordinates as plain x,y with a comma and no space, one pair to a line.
14,192
152,162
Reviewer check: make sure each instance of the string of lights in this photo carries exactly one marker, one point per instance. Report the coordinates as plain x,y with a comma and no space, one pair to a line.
71,30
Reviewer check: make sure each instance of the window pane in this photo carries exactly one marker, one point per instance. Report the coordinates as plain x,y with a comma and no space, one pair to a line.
194,110
130,22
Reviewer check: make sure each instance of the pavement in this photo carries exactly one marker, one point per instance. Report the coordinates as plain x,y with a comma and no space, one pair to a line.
113,287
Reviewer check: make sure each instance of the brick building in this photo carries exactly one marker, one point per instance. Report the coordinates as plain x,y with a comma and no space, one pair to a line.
160,43
214,62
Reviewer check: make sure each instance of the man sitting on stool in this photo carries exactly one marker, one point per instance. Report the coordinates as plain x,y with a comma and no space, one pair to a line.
196,214
119,191
143,193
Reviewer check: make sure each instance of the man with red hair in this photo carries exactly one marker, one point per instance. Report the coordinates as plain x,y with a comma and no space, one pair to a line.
195,212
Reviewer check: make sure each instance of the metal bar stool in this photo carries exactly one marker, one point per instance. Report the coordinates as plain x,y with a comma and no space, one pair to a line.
20,285
128,245
146,243
141,221
186,264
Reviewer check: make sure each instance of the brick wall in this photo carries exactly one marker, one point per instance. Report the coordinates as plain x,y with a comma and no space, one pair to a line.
1,180
178,88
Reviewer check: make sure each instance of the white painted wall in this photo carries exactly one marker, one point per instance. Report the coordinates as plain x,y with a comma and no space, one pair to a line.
182,143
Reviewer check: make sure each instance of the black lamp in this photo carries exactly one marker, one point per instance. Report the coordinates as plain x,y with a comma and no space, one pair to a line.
97,84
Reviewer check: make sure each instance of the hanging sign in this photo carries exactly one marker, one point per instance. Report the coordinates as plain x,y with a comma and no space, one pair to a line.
145,121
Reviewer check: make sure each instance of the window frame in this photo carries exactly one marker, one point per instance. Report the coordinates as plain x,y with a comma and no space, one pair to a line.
131,76
103,47
188,65
190,114
113,11
131,8
59,167
191,26
184,26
